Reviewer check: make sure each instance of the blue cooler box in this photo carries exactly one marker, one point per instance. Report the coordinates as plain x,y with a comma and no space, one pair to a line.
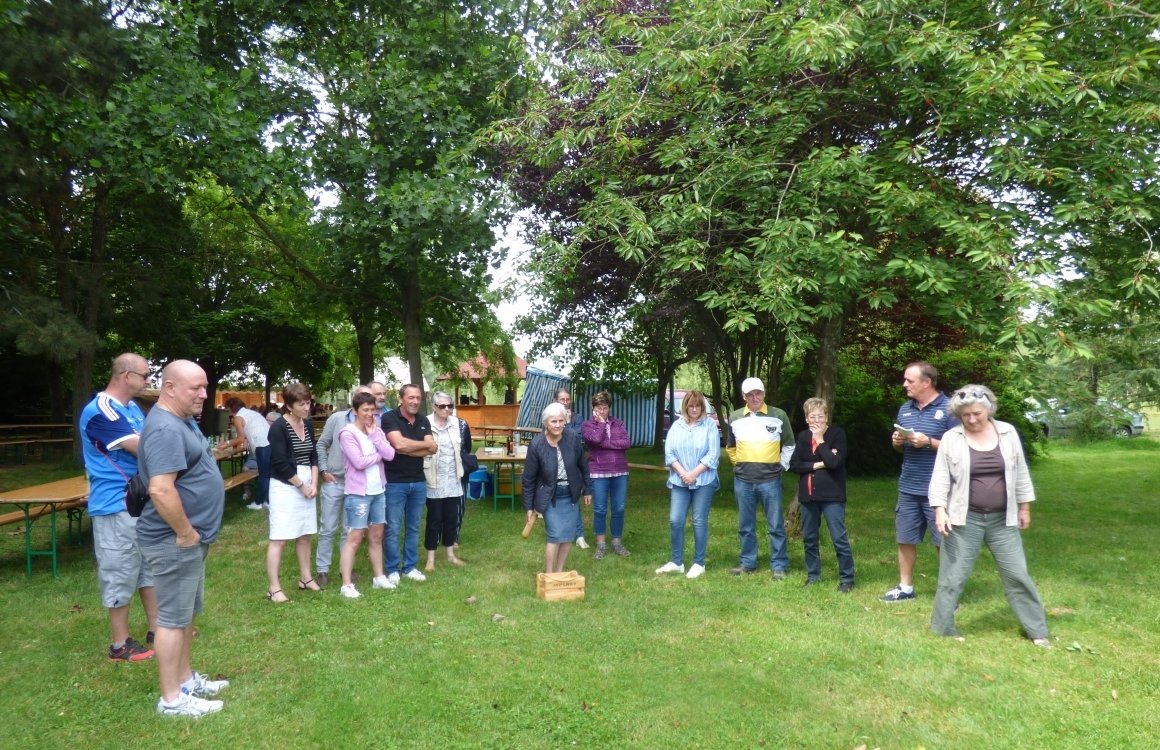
479,484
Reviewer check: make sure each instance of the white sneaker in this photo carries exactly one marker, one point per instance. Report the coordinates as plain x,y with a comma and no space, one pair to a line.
382,582
695,571
581,543
188,705
415,575
350,592
201,686
393,578
670,567
256,506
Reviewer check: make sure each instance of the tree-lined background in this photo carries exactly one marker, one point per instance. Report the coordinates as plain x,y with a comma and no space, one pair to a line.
811,192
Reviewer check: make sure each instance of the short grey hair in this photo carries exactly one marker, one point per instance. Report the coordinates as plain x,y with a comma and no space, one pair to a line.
972,394
554,409
436,395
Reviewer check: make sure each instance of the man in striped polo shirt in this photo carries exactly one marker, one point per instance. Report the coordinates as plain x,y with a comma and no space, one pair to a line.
924,417
756,434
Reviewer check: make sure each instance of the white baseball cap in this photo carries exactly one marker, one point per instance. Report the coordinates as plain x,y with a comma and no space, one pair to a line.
749,385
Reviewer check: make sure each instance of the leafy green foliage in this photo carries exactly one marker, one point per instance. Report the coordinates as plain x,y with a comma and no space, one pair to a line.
788,163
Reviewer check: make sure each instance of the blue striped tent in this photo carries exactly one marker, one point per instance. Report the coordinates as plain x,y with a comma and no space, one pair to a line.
635,408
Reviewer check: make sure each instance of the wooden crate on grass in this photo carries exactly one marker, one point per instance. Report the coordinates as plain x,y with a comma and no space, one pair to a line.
560,587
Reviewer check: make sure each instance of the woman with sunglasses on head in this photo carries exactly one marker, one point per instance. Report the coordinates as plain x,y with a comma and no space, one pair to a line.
444,472
981,493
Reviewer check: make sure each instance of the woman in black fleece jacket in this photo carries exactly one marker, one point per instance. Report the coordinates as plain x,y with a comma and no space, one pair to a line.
820,458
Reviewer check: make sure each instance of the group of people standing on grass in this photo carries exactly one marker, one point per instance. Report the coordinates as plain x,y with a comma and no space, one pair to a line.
379,471
964,478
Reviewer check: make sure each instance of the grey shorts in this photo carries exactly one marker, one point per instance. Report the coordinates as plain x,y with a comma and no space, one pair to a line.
120,570
179,578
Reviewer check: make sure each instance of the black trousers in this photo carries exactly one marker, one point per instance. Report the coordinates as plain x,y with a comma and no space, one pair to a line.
442,522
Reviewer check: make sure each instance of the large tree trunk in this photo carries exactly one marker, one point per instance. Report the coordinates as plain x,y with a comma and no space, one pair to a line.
829,342
412,319
366,353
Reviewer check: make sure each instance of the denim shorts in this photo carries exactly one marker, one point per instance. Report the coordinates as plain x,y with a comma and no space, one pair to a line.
361,511
179,579
912,517
120,570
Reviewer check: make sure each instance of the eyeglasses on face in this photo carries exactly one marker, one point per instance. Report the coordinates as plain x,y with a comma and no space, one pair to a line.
442,406
143,375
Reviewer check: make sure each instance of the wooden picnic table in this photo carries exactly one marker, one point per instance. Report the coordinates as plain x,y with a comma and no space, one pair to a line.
500,461
494,434
45,499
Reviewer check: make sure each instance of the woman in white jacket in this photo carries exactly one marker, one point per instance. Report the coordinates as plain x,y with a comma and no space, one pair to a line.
981,493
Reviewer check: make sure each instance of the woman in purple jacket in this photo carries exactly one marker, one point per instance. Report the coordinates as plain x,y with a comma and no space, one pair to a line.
607,440
364,448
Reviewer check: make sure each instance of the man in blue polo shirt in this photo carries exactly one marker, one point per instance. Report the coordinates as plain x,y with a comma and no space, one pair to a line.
110,426
925,418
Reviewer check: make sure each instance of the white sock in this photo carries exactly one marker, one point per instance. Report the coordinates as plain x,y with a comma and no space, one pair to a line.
906,589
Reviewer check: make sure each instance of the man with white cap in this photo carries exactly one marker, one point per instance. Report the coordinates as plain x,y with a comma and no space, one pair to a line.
754,446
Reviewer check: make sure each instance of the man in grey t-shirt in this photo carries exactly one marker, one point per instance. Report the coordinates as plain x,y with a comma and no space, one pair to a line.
176,529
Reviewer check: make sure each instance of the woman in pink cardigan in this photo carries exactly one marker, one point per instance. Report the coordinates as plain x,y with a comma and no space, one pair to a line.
608,442
364,448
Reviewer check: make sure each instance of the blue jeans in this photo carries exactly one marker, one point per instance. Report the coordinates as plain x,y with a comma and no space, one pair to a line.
769,495
331,504
835,514
264,471
404,499
579,523
701,499
603,489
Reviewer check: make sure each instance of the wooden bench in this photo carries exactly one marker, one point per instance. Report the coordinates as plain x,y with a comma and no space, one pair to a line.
24,447
237,480
17,516
71,495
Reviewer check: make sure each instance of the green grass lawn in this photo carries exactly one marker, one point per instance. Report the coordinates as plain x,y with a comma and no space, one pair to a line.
643,662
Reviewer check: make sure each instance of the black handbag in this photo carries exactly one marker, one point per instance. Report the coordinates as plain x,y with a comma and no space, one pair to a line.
136,490
136,495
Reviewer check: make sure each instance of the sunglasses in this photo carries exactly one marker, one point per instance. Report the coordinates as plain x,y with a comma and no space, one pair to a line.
442,406
972,394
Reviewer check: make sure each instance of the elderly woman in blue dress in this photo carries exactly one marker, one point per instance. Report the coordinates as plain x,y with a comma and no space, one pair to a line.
981,493
555,479
692,450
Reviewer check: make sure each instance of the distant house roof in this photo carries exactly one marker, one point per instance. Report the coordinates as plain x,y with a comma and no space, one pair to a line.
477,369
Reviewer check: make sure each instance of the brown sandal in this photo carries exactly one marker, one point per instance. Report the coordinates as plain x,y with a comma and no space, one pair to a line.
271,594
305,585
